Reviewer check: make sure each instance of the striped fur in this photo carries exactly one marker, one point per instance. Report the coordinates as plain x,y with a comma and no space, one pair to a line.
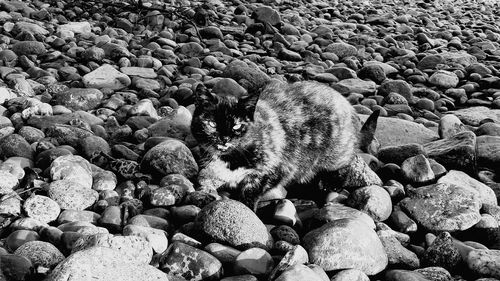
293,132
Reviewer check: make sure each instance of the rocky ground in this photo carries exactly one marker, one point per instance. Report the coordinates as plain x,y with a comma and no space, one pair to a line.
98,162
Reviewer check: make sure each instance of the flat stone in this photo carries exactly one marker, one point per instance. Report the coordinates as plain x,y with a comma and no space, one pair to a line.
79,98
106,76
143,72
475,115
486,194
456,152
170,156
355,85
443,207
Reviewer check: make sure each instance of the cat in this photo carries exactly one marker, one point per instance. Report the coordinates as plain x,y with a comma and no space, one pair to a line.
288,133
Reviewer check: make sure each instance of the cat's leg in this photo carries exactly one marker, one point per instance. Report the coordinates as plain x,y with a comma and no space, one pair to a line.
252,187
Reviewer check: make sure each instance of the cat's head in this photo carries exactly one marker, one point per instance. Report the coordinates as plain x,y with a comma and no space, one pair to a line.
217,120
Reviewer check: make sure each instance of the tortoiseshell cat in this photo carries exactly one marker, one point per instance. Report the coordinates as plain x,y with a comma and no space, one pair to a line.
287,134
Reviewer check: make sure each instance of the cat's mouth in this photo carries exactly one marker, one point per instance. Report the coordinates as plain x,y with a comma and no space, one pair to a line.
224,147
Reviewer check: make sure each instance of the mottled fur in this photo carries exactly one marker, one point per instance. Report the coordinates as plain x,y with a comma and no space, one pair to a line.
289,135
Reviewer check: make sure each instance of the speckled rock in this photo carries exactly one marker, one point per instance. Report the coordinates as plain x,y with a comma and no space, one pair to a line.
70,194
79,98
231,222
72,168
346,243
432,206
16,145
40,253
486,194
373,200
484,262
183,260
8,183
170,156
103,264
41,208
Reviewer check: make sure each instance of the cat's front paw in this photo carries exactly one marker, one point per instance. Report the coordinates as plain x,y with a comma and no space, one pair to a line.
251,188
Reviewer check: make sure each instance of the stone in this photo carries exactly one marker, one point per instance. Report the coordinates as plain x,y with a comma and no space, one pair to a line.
106,76
268,15
130,247
398,154
76,27
78,215
346,243
41,208
342,50
144,107
285,212
71,195
357,174
29,48
189,262
8,182
40,253
299,272
444,79
490,129
66,134
231,222
404,275
396,86
443,253
484,262
79,98
398,256
150,221
250,78
355,85
435,273
170,156
373,200
16,145
417,169
255,261
459,178
475,116
350,274
443,207
394,132
15,267
335,211
456,152
143,72
373,72
102,264
157,238
488,152
450,125
228,87
72,168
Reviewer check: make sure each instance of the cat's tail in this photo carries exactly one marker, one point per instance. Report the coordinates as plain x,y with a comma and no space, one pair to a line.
367,133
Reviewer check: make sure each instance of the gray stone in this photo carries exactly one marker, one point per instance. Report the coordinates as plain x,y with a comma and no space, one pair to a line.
456,152
170,156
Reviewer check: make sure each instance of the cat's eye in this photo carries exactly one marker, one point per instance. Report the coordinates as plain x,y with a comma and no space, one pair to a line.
212,124
237,127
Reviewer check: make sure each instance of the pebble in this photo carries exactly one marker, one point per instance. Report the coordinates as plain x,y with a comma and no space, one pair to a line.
40,253
254,261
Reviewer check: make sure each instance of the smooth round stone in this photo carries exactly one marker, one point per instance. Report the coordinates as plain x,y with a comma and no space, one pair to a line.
139,71
170,156
335,211
72,168
444,79
398,255
194,264
299,272
335,245
450,125
225,254
285,212
70,194
15,267
45,158
396,86
456,152
78,215
490,129
398,154
373,72
29,48
228,87
31,134
41,208
40,253
106,76
16,145
185,214
93,54
232,223
103,263
150,221
484,262
342,50
417,169
79,98
404,275
91,146
8,182
131,247
104,180
255,261
19,237
350,274
373,200
27,224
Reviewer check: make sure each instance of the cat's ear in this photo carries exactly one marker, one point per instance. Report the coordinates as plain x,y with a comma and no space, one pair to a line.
246,105
203,96
367,133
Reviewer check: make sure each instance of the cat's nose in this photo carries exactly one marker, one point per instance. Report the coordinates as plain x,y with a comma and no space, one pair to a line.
225,140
